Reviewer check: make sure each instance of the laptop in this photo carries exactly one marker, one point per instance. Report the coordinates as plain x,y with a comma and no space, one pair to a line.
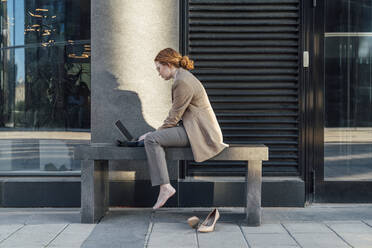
123,130
131,142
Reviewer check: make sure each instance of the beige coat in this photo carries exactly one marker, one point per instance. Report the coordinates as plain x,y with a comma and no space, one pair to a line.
191,104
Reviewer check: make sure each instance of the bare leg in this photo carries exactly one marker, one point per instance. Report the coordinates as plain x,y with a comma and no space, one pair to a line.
166,191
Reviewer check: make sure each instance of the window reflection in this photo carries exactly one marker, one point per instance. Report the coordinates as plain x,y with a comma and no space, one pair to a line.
43,88
30,155
45,83
44,21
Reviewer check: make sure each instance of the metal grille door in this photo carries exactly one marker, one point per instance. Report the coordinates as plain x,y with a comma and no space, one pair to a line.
246,55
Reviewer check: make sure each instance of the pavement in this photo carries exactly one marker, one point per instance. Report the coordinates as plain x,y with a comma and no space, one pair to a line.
318,225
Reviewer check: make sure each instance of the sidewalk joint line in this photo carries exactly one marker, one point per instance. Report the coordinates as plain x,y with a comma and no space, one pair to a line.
245,238
149,230
64,228
197,237
290,234
13,233
366,223
338,235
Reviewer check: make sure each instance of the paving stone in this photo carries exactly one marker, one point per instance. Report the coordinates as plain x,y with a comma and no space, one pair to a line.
349,227
109,244
356,233
356,221
32,236
12,218
173,216
276,246
53,218
120,229
318,213
6,230
270,240
178,235
73,236
368,222
360,240
225,235
307,227
38,210
265,228
319,240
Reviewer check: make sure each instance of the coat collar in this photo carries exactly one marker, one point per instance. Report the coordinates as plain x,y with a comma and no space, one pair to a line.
177,74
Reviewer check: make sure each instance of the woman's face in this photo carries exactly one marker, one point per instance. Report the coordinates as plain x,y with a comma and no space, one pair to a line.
164,70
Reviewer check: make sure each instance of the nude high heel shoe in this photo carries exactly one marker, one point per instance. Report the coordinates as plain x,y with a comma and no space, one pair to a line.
209,223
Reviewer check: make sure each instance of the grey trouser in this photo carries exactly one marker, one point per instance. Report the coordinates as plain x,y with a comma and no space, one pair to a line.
154,143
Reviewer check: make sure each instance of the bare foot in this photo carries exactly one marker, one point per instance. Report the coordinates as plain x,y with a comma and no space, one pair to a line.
166,191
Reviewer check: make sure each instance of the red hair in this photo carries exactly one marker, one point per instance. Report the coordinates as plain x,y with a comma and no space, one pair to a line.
172,57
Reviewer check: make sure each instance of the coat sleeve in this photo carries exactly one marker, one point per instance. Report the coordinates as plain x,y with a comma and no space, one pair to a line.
182,96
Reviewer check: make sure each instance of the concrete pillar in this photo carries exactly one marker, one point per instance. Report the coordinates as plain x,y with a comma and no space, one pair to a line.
126,35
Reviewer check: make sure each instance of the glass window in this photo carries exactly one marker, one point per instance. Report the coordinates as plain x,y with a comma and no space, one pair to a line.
46,88
45,84
348,90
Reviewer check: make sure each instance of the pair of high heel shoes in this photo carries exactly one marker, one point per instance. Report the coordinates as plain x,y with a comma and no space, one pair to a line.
208,224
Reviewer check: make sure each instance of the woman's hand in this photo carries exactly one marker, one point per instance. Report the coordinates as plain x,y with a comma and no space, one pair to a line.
143,136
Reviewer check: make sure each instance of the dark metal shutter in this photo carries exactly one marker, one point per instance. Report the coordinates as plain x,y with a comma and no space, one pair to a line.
247,57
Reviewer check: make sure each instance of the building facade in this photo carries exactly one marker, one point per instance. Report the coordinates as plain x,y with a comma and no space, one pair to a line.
294,75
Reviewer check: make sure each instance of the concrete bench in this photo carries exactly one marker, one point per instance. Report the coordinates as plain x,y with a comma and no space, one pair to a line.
95,183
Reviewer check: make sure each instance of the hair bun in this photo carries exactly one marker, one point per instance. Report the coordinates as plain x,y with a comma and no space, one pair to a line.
186,63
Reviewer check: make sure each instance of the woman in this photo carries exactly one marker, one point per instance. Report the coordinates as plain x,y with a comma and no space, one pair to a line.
190,121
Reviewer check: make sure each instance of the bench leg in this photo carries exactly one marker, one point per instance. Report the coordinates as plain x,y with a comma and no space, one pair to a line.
253,182
94,190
